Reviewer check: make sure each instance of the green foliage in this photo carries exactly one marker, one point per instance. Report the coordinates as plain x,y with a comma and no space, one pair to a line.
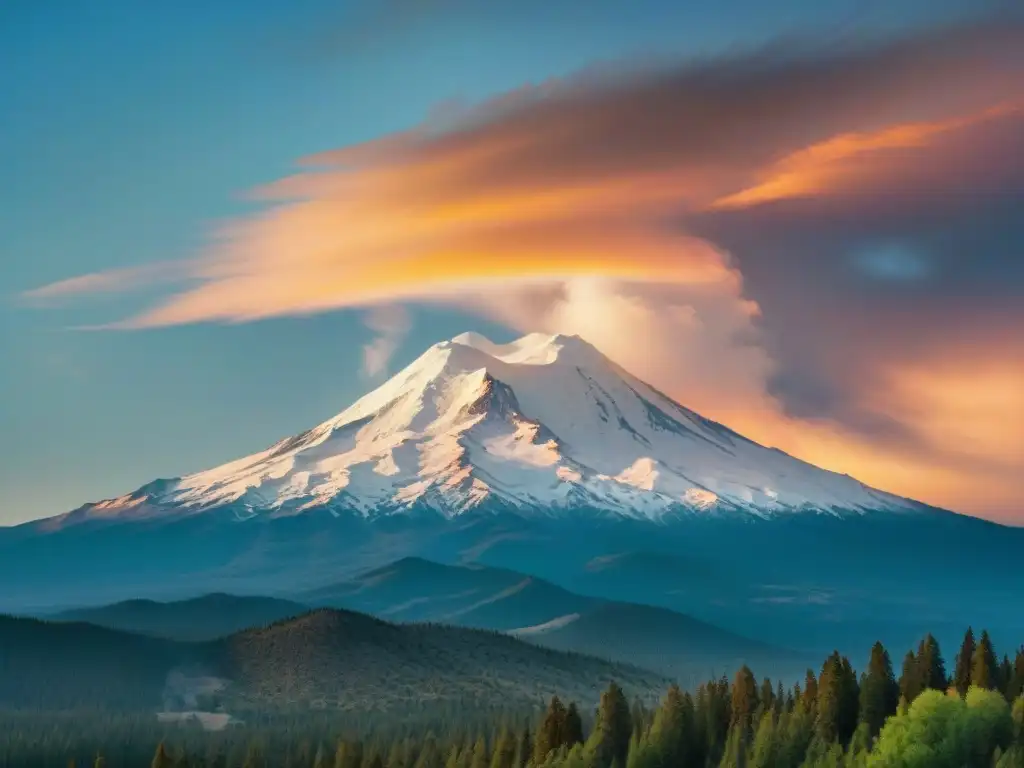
609,743
943,731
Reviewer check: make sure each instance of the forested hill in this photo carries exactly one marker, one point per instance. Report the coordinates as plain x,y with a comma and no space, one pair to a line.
339,659
967,712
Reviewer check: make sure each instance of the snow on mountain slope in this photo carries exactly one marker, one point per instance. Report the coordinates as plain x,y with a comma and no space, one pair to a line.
543,424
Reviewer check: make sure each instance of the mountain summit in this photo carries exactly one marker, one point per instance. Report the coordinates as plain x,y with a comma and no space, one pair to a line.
544,425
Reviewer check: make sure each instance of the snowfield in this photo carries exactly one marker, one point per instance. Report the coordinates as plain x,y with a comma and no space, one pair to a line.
541,425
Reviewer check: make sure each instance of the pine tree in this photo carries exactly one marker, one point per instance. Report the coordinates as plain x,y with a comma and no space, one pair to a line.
524,748
931,667
744,702
766,698
573,733
850,702
551,733
481,757
780,699
984,669
964,662
735,755
810,693
1006,677
609,743
673,734
879,693
504,750
161,759
1015,685
838,700
764,752
910,678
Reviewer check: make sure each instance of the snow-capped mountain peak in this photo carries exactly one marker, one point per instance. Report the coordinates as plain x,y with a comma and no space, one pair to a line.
543,424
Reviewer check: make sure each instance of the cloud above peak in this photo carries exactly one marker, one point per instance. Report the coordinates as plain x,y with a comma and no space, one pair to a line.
721,227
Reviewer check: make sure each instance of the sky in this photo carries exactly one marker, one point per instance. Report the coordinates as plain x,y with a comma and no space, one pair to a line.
220,225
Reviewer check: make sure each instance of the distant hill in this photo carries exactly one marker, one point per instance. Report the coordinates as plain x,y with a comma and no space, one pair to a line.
413,589
56,666
326,658
345,659
202,618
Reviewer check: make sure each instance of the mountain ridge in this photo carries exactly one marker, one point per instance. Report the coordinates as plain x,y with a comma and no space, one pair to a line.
543,425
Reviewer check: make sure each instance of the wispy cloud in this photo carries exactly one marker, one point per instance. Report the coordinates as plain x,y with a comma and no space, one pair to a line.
390,323
680,218
110,282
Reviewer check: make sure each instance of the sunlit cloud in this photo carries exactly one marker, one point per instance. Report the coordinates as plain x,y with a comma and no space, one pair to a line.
582,205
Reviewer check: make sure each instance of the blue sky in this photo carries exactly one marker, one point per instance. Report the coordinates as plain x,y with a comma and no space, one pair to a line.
128,129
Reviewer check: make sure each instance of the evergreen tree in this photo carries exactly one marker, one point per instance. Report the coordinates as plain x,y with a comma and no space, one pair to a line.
672,737
910,678
481,757
984,669
551,733
735,755
99,762
931,667
1015,685
766,698
838,701
1006,677
850,700
781,702
573,733
879,693
376,761
810,693
609,743
744,702
524,748
964,662
764,752
504,750
161,759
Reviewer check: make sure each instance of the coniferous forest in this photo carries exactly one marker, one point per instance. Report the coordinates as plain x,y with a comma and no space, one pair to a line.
964,711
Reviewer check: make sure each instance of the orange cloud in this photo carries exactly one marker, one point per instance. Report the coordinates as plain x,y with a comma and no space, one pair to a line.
564,207
851,159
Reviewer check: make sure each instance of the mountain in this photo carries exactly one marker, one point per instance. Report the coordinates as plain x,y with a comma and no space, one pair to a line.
540,457
326,658
414,590
540,612
543,424
202,618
